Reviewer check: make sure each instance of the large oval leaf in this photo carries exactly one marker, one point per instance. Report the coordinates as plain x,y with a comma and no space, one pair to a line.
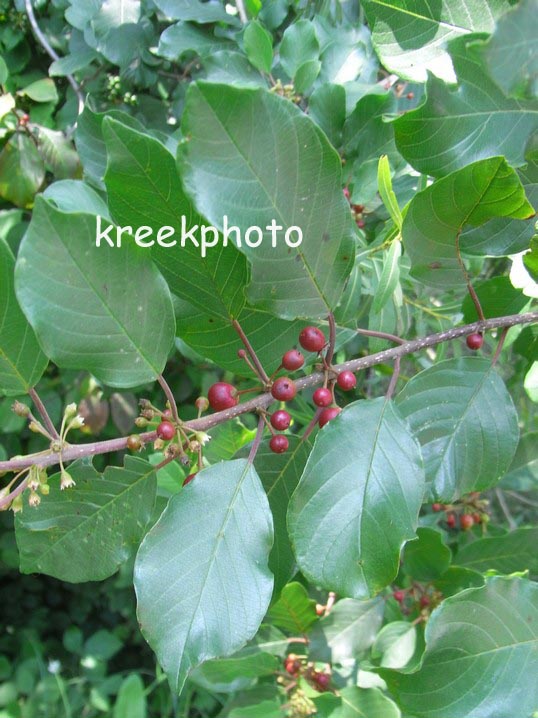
201,574
21,360
76,298
466,422
358,500
481,656
279,167
511,552
85,533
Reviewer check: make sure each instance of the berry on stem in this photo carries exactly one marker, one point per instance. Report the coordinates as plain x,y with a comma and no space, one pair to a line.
166,430
399,596
222,396
280,420
466,522
322,680
451,521
292,360
346,380
437,507
134,443
292,664
283,389
322,397
328,415
279,444
475,341
312,339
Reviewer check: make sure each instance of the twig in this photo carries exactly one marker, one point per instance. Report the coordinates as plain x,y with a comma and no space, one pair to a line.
264,400
32,393
169,395
381,335
40,37
505,509
257,439
332,339
474,296
242,11
500,345
394,378
312,424
250,349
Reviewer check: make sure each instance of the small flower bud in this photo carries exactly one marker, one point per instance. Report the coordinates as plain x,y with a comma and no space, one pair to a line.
202,437
66,480
70,411
34,499
144,403
172,451
202,403
194,446
45,489
148,414
141,422
34,426
77,422
16,504
158,444
20,409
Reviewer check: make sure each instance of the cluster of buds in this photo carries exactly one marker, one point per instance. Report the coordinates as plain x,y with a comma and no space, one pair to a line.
357,210
287,91
296,666
469,512
418,597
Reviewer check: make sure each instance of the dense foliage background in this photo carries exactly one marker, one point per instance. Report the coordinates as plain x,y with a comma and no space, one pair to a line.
402,137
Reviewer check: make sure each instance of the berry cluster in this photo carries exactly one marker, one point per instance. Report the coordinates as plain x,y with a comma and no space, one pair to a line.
357,210
418,597
297,666
471,511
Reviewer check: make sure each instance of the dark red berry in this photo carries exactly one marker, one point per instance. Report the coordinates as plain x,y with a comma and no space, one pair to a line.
477,518
358,208
134,442
399,596
424,601
283,389
166,430
280,420
322,680
189,478
292,664
322,397
222,396
466,522
475,341
437,507
312,339
346,380
241,353
451,521
279,443
292,360
328,415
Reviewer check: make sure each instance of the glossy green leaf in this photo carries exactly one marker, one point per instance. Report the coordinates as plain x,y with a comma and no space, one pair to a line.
86,532
73,294
253,178
209,547
366,134
530,258
428,557
59,154
43,90
232,68
384,182
396,644
22,170
365,703
466,423
306,75
514,551
195,11
299,45
183,37
265,709
347,632
390,277
523,472
456,579
131,701
481,655
258,46
364,473
456,127
327,107
294,611
410,36
497,297
144,190
435,217
228,674
21,360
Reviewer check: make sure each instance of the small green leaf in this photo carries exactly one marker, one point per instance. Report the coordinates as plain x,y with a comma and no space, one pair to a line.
22,170
481,655
530,259
384,183
365,703
514,551
428,557
258,46
131,700
294,611
299,45
390,277
457,579
86,532
41,91
396,644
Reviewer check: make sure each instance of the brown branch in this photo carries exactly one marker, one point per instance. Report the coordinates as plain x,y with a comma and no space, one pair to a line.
264,400
257,439
332,339
170,396
474,295
250,349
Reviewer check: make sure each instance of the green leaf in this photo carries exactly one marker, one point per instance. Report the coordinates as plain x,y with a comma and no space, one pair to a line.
390,277
453,128
366,134
466,423
481,655
131,699
258,46
253,179
114,13
144,189
299,45
4,72
232,68
514,551
59,154
102,645
74,296
306,75
457,579
410,37
530,259
428,557
76,196
523,472
209,547
41,91
396,644
436,216
226,675
195,11
327,107
21,360
497,297
85,533
364,473
365,703
182,37
265,709
510,52
347,632
384,182
22,170
294,611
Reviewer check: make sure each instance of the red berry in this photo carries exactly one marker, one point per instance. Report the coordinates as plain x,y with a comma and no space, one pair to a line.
241,353
346,380
312,339
358,208
437,507
222,396
166,430
283,389
410,95
466,522
279,443
477,518
280,420
450,521
475,341
361,224
292,360
189,478
346,193
399,596
328,415
322,397
424,601
320,610
322,680
292,664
